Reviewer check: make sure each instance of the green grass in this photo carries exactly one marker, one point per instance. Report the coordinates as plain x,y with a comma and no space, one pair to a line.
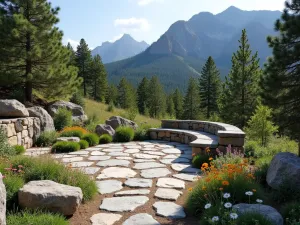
44,168
35,218
96,108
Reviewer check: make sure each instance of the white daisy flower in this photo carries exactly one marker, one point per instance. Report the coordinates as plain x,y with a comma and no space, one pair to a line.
233,216
207,206
228,205
249,193
215,219
259,201
226,195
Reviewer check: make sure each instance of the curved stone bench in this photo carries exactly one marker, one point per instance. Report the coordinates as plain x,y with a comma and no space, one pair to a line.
199,134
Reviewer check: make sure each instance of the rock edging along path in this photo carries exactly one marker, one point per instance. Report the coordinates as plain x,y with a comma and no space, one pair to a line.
153,173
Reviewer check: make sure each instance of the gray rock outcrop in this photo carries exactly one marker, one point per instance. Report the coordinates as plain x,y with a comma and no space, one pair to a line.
284,170
117,121
2,202
104,129
47,194
46,120
77,111
12,108
267,211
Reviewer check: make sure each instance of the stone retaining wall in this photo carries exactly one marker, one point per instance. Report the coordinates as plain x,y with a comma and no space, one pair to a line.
225,134
21,131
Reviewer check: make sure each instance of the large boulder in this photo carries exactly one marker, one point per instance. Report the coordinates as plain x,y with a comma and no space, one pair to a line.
77,111
49,195
12,108
46,120
104,129
117,121
267,211
284,170
2,202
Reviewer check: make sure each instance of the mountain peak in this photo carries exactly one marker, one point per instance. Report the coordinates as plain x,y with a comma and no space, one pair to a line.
232,9
126,36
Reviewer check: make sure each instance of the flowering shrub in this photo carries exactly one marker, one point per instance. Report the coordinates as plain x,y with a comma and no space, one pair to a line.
235,179
232,156
73,132
199,159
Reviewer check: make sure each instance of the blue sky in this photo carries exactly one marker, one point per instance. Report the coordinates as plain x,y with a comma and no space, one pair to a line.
106,20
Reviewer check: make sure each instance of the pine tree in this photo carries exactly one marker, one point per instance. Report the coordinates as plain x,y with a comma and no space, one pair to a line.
72,56
281,81
191,103
157,101
126,95
178,103
241,89
98,78
170,106
32,56
210,88
142,95
83,61
112,95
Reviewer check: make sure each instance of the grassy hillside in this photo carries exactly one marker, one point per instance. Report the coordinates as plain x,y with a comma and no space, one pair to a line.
99,109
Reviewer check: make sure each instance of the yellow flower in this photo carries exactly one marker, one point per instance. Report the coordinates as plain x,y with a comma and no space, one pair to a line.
203,188
205,165
190,189
254,190
211,158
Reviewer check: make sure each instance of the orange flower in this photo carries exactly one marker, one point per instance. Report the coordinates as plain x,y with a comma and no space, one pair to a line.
75,128
225,183
221,189
190,189
205,165
207,179
254,190
211,158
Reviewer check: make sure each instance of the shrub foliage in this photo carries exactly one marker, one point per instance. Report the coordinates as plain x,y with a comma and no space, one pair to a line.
124,134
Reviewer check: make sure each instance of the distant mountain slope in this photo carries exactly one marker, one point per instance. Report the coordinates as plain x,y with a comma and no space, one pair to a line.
121,49
182,50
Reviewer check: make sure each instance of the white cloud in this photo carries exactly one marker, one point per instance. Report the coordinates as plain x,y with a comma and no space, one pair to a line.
147,2
73,43
115,38
132,24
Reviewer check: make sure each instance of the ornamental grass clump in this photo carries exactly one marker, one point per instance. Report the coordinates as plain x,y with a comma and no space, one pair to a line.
65,146
92,139
105,139
83,144
74,131
235,179
124,134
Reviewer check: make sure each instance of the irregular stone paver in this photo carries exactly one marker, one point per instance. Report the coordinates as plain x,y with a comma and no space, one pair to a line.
93,149
131,151
148,165
105,218
99,158
125,158
187,156
141,219
171,151
123,204
96,153
133,192
154,153
186,176
113,162
109,186
59,156
145,156
72,159
113,150
184,168
79,153
116,172
171,156
178,160
138,182
167,194
143,160
170,183
169,210
90,170
81,164
118,154
153,173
